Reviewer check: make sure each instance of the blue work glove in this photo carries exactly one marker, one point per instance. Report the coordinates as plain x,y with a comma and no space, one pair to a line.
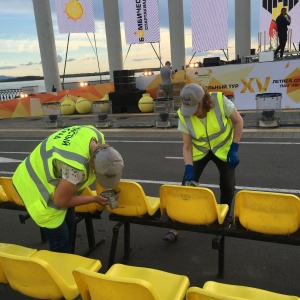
189,174
232,156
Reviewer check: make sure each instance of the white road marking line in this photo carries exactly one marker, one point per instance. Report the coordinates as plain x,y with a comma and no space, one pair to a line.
274,190
6,160
15,152
162,142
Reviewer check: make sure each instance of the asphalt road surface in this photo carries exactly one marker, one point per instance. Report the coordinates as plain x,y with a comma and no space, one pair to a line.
267,164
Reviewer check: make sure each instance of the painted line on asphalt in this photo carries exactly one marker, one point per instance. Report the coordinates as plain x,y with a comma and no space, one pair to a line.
11,152
147,142
249,188
274,190
6,160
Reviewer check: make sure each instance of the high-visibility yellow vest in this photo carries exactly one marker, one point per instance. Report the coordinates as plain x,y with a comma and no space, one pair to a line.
35,180
216,136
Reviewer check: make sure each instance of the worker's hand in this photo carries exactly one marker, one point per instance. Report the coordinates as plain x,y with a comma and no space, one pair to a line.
101,200
232,157
189,174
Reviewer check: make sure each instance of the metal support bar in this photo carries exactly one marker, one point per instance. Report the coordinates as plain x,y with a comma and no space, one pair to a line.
90,230
218,243
113,246
126,241
221,258
43,236
78,219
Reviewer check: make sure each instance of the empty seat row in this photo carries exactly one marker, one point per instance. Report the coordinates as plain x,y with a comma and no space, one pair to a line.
43,274
202,208
264,212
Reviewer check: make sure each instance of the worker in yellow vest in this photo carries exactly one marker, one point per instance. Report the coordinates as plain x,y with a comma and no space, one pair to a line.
211,129
51,179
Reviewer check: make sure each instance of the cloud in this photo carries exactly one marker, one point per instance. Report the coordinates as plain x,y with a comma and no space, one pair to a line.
29,64
143,59
189,51
15,7
8,67
59,59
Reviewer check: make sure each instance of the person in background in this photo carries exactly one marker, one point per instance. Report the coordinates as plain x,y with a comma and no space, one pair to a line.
166,76
211,130
282,21
51,179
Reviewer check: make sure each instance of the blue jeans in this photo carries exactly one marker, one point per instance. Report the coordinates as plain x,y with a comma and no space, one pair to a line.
61,238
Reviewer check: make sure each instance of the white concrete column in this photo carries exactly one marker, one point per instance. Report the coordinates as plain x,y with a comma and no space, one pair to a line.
176,27
46,40
113,35
242,28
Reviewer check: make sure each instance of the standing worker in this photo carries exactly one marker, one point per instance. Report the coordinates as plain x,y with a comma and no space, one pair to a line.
166,76
282,21
211,130
51,179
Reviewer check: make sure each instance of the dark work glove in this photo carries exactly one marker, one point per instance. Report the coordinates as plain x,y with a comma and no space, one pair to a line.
232,156
189,174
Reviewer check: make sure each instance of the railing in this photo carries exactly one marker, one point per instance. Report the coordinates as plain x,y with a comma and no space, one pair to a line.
9,94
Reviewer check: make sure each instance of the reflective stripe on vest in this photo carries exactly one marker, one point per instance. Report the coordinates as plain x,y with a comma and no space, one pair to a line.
34,178
216,136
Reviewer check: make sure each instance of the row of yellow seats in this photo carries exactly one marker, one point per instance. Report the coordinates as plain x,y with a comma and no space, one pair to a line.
134,283
134,202
264,212
49,275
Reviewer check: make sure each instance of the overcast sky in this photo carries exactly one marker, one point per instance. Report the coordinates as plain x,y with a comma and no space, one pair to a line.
20,56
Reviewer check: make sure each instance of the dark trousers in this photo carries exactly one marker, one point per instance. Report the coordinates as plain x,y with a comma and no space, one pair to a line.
282,42
226,179
61,238
168,91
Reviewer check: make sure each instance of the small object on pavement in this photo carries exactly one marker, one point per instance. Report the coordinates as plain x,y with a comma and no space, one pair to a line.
170,237
192,183
112,196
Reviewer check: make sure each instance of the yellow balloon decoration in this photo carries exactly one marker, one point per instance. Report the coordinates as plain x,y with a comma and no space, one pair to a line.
83,106
67,106
146,103
104,107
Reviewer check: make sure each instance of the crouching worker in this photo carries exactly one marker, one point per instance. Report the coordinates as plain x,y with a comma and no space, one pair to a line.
51,179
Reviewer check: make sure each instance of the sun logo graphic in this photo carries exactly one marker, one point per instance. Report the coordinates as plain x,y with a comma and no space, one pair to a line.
74,10
140,34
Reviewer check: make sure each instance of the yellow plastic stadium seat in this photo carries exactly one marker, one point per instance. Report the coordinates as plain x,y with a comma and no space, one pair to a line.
244,292
16,250
191,205
45,274
91,207
127,282
269,213
132,200
10,191
3,196
196,293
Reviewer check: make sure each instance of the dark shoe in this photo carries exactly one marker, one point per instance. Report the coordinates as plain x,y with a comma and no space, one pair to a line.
170,237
